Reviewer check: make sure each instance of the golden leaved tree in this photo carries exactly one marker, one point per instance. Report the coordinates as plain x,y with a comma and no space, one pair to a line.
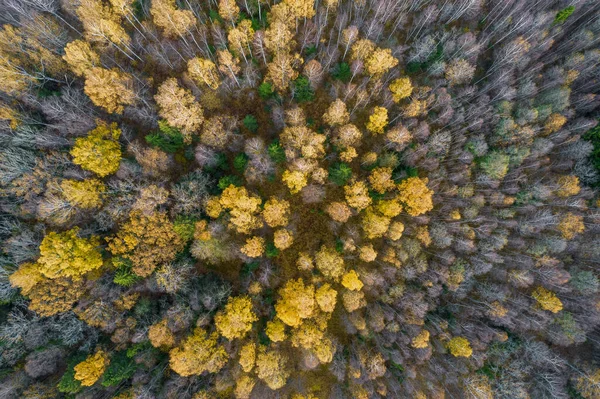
198,353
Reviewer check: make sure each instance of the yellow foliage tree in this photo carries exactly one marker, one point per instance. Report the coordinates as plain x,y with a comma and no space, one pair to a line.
570,225
254,247
110,89
421,341
296,302
80,57
248,356
147,241
357,195
547,300
459,347
228,10
280,71
198,353
244,386
236,319
401,88
330,263
380,61
203,71
275,330
243,209
91,369
67,255
336,114
378,120
283,239
271,367
86,194
374,224
339,211
415,196
170,19
351,281
99,151
295,180
588,385
160,335
178,106
326,298
568,186
381,180
276,212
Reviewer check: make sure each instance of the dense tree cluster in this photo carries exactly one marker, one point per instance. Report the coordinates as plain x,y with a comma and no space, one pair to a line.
300,199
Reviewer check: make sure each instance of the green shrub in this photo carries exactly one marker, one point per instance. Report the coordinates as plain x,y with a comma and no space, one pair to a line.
342,72
340,173
276,152
168,138
250,123
302,90
562,15
120,368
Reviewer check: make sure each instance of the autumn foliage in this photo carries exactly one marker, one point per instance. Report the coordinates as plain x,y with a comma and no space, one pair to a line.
299,199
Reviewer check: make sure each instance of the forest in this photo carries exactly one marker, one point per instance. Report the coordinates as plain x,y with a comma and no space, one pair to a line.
299,199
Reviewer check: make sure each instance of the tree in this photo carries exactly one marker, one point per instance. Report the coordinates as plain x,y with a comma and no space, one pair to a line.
459,72
330,263
101,23
351,281
340,173
197,354
178,106
228,10
326,298
203,72
357,195
67,255
283,239
91,369
495,165
421,340
86,194
241,37
172,21
271,367
416,197
110,89
248,356
275,330
588,384
381,180
374,224
80,57
295,180
336,114
160,335
254,247
243,209
568,186
339,211
401,88
380,61
147,241
296,302
378,120
236,319
281,72
547,300
99,152
570,225
459,347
